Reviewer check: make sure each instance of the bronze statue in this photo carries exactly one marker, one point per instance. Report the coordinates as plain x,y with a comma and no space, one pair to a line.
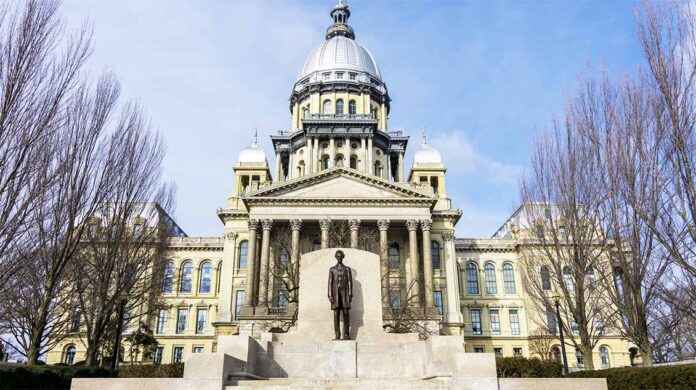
340,295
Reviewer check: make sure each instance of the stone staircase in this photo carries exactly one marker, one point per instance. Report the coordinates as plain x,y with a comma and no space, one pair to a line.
436,383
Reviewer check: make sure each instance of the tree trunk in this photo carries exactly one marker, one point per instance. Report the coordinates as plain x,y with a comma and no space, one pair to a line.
589,362
92,358
646,354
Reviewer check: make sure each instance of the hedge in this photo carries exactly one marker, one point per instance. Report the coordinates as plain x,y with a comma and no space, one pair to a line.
629,378
47,377
520,367
174,370
57,377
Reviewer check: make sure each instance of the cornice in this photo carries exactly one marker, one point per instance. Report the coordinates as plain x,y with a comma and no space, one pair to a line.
215,244
355,202
484,245
227,215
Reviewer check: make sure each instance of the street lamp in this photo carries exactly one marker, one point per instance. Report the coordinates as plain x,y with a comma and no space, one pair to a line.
557,301
117,342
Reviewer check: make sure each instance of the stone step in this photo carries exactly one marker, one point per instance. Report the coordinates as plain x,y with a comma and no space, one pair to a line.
343,384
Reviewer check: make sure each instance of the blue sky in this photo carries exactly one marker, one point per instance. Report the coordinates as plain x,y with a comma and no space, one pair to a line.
482,77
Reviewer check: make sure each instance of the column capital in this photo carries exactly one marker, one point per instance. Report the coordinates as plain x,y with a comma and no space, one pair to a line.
253,224
231,236
354,224
448,236
412,224
325,224
295,224
383,224
267,224
426,224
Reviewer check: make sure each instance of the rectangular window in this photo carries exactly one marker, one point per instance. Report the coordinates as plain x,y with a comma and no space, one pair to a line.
178,355
162,320
75,324
551,320
438,302
498,351
353,76
495,322
239,302
574,327
137,229
517,351
282,298
201,320
339,75
514,323
540,231
326,76
395,299
158,355
562,232
479,350
476,321
181,321
197,349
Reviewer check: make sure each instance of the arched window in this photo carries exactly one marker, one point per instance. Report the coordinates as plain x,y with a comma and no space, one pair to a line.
205,278
378,168
301,168
168,279
509,279
555,354
243,253
545,278
472,286
351,107
491,283
339,107
394,258
305,113
339,160
327,107
353,162
435,254
604,357
186,277
590,277
325,161
69,355
580,358
568,278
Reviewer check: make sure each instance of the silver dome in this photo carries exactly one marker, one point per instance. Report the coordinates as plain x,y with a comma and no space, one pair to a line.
340,53
426,154
253,153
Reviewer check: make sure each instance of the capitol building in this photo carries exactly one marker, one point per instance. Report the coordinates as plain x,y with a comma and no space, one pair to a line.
338,178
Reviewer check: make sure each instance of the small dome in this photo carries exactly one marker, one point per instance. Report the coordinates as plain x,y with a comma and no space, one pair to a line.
253,153
427,155
340,53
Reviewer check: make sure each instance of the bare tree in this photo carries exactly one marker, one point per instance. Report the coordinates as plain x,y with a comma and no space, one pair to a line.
39,69
541,343
74,168
568,249
123,256
667,35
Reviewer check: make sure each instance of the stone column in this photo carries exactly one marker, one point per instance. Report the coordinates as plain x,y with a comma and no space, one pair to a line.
295,226
363,152
325,225
354,229
317,166
413,272
426,224
277,167
291,165
401,167
265,271
453,315
250,293
383,226
309,164
370,168
332,153
224,314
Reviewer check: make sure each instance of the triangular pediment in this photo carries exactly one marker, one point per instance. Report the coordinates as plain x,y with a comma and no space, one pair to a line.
340,183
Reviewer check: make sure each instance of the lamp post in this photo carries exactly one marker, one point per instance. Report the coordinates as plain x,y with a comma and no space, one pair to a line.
557,301
119,325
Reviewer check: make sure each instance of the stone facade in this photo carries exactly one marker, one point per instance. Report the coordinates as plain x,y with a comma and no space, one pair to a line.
339,164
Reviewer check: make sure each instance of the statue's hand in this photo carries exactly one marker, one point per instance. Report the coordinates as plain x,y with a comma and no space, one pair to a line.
331,299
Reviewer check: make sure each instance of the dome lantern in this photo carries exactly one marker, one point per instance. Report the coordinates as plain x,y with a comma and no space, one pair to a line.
253,153
340,14
427,154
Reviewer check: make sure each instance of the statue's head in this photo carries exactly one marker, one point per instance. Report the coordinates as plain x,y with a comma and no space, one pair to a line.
339,256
